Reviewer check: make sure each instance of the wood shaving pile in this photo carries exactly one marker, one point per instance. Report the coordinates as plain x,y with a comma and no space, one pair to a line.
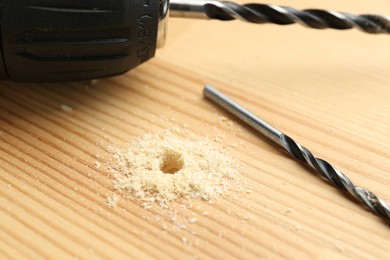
160,168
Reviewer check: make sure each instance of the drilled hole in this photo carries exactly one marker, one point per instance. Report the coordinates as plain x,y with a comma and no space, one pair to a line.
172,162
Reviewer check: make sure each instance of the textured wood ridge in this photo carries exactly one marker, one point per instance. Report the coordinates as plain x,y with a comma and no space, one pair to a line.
327,89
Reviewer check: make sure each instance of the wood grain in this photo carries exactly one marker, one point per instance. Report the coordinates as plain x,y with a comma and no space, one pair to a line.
327,89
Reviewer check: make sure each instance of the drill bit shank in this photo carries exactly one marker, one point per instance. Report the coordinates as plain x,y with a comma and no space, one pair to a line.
322,167
264,13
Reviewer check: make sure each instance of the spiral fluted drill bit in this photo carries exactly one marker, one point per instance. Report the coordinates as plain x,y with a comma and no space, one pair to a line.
267,13
323,168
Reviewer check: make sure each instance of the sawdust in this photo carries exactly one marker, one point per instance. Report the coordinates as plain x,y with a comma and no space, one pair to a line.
158,169
66,108
112,200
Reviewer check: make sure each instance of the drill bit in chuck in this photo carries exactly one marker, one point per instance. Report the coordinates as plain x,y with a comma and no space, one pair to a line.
322,167
266,13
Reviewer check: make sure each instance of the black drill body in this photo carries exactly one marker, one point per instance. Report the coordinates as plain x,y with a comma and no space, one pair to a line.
52,40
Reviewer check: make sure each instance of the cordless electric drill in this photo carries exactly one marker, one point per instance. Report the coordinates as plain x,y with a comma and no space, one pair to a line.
68,40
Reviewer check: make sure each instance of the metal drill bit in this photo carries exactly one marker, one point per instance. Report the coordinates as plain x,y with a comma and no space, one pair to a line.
323,168
266,13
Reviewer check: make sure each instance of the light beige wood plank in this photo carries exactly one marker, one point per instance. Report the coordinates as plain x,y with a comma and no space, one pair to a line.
327,89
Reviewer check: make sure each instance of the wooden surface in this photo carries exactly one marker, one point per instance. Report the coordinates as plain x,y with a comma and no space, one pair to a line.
327,89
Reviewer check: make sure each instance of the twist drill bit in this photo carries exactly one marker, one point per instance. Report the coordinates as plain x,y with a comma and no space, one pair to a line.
323,168
266,13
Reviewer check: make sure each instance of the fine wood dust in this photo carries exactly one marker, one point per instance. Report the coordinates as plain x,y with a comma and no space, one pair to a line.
66,108
157,169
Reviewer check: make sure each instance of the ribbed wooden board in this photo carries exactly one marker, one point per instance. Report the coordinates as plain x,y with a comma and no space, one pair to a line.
327,89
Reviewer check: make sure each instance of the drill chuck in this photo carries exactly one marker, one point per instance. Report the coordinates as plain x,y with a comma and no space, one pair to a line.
51,40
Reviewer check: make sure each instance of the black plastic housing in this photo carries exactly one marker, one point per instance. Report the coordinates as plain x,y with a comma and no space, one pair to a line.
68,40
